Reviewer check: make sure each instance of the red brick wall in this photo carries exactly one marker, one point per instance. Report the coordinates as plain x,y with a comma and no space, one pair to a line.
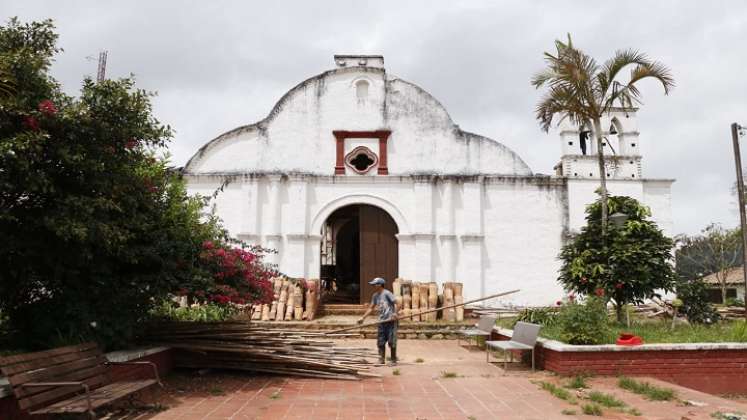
711,371
164,360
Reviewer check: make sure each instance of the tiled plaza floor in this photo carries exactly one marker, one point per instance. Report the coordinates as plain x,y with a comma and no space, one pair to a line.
480,391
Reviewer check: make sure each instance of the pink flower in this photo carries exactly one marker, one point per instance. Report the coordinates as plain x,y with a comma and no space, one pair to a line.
619,286
583,280
47,107
599,292
131,144
31,123
207,245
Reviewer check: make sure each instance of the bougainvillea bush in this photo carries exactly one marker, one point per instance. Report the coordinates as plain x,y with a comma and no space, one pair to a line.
238,275
630,263
96,228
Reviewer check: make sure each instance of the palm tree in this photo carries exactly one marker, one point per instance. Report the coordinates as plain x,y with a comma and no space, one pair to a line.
582,91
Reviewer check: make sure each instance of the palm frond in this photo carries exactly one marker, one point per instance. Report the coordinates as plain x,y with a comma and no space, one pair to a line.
622,58
654,70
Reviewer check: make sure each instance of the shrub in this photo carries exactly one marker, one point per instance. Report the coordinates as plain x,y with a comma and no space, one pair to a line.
584,323
542,316
627,265
734,302
209,312
694,296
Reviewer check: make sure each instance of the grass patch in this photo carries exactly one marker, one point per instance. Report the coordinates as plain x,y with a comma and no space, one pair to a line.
275,395
634,412
577,382
419,360
448,374
652,392
592,409
396,372
658,331
216,391
557,391
607,400
728,416
568,412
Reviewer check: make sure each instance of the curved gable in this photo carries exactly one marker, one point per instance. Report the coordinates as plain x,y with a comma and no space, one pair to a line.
297,136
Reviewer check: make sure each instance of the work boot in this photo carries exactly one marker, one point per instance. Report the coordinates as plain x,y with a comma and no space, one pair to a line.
382,355
393,358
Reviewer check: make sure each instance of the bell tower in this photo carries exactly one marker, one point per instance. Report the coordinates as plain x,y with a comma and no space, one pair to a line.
620,142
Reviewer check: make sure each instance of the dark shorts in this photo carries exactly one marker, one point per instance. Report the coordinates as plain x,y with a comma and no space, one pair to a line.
387,334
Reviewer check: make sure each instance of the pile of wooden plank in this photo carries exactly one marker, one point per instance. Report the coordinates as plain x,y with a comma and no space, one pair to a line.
414,297
250,347
731,312
293,300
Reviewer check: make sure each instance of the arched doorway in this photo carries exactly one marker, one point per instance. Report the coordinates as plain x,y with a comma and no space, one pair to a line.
358,244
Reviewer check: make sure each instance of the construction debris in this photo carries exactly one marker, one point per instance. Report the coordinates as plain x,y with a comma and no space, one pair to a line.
243,346
731,312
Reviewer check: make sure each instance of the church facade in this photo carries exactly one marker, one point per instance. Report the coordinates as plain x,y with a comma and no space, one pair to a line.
356,173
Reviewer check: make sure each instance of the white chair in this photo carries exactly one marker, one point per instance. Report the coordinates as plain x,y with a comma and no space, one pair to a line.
524,338
483,328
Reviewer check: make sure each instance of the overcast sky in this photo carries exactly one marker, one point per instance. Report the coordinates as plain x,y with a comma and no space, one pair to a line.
217,65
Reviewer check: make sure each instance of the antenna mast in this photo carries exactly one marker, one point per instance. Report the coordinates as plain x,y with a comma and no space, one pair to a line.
102,67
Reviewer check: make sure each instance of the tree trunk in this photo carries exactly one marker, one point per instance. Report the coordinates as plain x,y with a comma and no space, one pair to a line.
619,313
723,292
602,173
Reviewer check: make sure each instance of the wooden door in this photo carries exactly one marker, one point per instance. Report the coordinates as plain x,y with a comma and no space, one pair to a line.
378,249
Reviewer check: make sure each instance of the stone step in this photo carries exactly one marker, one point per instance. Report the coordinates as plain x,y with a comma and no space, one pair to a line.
339,309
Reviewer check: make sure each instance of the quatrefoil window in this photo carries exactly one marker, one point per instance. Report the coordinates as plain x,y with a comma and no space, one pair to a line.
361,159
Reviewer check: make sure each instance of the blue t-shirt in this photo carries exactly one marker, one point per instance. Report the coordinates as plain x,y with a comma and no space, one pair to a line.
384,301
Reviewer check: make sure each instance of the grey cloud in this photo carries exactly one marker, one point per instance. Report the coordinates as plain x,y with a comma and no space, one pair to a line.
217,65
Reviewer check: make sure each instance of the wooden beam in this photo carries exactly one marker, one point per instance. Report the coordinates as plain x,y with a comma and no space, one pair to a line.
422,312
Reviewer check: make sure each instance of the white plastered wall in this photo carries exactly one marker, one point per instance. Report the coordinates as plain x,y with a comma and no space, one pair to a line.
490,233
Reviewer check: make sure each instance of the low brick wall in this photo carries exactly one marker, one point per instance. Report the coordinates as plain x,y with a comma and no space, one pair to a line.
161,356
715,368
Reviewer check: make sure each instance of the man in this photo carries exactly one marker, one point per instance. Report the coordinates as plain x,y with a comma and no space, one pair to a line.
384,300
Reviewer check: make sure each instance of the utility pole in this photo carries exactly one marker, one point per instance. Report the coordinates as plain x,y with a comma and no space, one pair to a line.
735,131
102,67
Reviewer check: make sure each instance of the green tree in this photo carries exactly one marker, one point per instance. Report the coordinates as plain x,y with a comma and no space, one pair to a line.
96,227
715,250
582,91
631,265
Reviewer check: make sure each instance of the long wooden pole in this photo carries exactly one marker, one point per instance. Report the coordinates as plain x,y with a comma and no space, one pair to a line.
421,312
740,191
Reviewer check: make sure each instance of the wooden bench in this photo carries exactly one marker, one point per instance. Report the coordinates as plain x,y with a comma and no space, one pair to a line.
68,380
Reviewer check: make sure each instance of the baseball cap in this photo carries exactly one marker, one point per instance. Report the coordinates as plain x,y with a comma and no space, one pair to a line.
377,280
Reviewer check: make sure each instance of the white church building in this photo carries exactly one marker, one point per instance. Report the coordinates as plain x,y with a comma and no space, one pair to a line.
356,173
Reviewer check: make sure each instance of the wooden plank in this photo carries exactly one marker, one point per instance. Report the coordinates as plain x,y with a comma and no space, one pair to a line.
56,373
76,376
58,392
52,361
100,397
27,357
